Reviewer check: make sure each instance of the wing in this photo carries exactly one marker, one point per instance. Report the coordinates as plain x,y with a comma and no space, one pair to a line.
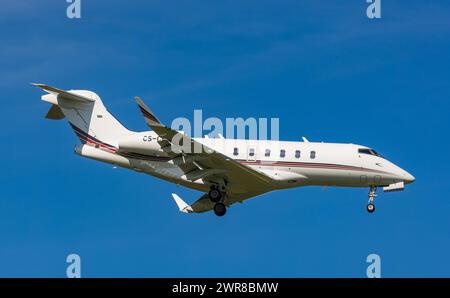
198,161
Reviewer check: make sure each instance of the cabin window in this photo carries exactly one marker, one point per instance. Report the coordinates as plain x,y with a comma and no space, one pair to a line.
312,155
251,152
267,153
282,153
297,153
236,151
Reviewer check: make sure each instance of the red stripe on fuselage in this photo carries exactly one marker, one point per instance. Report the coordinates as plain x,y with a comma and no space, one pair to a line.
309,165
89,140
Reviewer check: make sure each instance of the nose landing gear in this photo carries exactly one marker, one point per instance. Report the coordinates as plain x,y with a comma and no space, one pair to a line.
372,195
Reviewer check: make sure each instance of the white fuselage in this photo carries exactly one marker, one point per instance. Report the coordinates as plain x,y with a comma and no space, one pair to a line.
288,164
311,163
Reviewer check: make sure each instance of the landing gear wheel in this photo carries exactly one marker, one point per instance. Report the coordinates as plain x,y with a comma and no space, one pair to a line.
220,209
214,195
372,196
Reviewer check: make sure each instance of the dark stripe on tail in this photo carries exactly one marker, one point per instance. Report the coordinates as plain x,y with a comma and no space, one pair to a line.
86,138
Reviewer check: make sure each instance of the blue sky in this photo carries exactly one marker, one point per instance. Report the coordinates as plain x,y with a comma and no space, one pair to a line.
322,67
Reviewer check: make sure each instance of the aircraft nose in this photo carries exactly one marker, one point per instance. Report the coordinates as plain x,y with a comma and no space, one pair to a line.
408,178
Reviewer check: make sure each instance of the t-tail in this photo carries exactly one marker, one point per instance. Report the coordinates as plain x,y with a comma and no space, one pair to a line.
88,117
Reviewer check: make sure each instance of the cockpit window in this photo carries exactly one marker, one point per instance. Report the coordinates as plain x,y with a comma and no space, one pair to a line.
369,151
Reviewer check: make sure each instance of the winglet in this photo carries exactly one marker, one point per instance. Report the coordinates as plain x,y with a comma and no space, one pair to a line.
182,204
150,118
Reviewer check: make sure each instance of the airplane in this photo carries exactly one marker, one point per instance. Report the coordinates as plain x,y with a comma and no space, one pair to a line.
227,171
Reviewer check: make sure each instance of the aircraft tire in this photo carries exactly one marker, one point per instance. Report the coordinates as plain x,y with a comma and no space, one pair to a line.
215,195
220,209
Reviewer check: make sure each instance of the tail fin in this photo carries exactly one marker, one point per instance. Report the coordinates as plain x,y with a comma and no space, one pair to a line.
86,114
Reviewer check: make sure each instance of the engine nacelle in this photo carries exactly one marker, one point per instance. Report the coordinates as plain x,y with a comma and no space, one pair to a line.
102,155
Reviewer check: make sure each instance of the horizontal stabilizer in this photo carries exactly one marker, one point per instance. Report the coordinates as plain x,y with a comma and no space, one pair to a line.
64,94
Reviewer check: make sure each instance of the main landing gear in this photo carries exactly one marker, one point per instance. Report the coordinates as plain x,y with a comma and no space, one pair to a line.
220,209
217,197
372,195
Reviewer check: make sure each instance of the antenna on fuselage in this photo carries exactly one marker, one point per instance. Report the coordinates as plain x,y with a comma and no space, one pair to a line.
305,140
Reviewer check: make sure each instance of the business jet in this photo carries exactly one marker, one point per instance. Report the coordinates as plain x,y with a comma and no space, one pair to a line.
227,171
